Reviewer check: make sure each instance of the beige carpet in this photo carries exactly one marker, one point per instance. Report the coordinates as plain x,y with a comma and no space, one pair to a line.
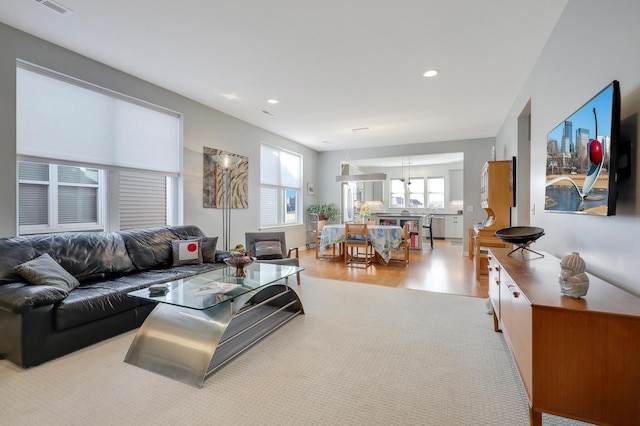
362,355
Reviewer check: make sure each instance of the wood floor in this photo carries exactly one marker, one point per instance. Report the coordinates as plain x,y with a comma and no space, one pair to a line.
443,269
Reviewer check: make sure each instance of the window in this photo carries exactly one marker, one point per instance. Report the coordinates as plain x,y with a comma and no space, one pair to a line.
63,198
280,187
142,200
397,193
58,198
64,119
90,158
416,192
435,192
405,194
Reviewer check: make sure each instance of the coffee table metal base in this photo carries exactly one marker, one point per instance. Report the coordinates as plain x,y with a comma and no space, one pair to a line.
189,344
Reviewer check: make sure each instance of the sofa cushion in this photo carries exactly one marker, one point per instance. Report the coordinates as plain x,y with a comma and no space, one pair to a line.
88,255
97,300
186,252
14,251
43,270
268,249
208,248
151,248
22,297
85,255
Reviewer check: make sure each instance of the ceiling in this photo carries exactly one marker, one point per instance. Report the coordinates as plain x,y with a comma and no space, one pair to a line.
334,65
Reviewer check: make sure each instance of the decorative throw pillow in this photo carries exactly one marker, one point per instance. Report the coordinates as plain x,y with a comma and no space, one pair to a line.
268,249
209,249
186,252
44,270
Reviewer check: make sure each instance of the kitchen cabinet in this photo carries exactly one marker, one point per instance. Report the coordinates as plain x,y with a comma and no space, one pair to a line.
453,226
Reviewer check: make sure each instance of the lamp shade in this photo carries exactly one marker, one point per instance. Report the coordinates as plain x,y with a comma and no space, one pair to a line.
226,161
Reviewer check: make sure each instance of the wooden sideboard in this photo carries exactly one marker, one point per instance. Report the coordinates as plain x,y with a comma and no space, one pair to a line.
577,358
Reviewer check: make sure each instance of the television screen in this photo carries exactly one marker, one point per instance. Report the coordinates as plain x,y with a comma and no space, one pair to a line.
582,158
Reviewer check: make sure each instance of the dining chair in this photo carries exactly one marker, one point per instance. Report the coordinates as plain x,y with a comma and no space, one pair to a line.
401,253
271,247
429,227
319,227
357,248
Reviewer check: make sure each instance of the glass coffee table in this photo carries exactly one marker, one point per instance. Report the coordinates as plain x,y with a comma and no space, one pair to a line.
204,321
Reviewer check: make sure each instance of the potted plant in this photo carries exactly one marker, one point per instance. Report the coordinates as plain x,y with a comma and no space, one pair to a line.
315,209
331,211
325,211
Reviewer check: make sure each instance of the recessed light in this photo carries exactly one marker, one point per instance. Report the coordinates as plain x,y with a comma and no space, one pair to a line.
360,129
231,96
273,101
430,73
327,142
265,112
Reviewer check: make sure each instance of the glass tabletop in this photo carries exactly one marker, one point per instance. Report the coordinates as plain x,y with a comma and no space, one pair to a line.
212,288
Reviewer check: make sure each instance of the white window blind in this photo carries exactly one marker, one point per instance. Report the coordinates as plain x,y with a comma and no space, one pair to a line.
61,118
33,194
280,180
268,206
58,198
142,200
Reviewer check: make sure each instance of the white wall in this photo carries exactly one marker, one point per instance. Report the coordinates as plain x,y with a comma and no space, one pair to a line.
593,43
476,153
203,126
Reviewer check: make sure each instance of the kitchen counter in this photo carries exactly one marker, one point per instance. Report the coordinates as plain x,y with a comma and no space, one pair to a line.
399,219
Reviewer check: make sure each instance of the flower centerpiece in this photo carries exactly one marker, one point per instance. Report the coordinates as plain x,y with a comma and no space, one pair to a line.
239,259
365,212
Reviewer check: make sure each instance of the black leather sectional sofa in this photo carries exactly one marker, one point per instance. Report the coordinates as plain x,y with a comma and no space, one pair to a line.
41,322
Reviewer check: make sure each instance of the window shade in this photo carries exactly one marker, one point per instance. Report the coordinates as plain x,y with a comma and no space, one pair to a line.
268,206
278,167
63,119
77,205
142,200
34,202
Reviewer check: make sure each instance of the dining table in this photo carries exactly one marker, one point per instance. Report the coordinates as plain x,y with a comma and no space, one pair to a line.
383,238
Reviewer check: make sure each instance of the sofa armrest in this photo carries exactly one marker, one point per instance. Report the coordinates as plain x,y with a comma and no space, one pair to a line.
291,250
19,298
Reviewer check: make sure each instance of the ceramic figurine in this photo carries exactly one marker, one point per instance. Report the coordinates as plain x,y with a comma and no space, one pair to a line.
573,281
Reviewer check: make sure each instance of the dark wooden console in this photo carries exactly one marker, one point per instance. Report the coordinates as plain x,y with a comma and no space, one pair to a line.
577,358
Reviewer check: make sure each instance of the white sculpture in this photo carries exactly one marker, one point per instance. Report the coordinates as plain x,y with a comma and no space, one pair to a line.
573,281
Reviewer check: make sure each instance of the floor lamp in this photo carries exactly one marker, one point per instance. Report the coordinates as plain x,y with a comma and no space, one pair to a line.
226,162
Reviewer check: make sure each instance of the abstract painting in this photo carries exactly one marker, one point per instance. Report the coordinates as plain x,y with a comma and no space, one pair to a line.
214,184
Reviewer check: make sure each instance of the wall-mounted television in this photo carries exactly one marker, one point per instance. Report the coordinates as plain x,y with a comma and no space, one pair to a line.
582,157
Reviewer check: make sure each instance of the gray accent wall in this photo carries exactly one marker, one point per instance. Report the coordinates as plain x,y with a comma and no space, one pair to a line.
202,126
593,43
